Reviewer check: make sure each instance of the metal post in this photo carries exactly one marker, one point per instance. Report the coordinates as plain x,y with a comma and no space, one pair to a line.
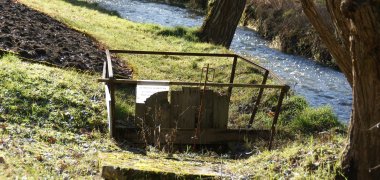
284,90
112,108
232,77
111,86
258,100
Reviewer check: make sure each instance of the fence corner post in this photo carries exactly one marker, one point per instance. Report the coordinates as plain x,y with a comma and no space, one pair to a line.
284,90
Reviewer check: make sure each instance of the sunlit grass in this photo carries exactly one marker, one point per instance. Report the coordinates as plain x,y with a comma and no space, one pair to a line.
117,33
49,97
52,116
52,121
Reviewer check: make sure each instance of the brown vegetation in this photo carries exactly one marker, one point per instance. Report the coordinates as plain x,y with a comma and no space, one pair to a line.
284,23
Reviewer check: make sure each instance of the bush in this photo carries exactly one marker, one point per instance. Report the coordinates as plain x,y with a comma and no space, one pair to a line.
313,120
291,108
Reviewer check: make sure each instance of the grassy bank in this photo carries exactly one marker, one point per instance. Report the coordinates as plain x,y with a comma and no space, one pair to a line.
59,131
51,140
281,22
117,33
50,120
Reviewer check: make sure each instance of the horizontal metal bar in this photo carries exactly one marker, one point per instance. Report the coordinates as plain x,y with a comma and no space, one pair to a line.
263,68
173,83
197,54
172,53
251,62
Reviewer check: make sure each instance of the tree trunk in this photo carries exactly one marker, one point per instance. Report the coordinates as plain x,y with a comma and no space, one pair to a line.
339,51
201,4
221,22
358,22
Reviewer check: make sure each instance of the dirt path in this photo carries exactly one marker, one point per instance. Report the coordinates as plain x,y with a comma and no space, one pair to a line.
37,36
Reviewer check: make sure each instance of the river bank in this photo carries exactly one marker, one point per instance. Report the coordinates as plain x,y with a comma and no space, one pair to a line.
53,120
321,85
286,26
281,22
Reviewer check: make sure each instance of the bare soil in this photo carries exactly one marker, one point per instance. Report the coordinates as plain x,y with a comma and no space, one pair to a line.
36,36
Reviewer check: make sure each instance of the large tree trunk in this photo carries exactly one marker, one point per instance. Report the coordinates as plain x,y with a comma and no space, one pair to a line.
358,23
221,22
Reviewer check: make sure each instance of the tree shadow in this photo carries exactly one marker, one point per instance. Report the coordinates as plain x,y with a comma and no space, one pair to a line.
188,34
93,6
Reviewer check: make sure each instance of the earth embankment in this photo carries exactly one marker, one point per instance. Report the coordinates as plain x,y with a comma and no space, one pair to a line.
36,36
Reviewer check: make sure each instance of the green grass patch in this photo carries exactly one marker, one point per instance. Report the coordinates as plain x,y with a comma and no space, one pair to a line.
49,97
315,120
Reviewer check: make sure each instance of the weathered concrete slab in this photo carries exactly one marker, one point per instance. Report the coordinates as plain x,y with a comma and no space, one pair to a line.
133,166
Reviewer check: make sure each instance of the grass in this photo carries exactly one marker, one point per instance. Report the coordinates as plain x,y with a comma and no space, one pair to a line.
49,97
314,158
117,33
52,120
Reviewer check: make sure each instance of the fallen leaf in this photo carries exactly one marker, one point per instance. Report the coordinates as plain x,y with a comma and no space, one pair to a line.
52,140
2,160
39,158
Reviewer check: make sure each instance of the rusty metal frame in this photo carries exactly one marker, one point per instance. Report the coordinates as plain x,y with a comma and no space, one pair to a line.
109,81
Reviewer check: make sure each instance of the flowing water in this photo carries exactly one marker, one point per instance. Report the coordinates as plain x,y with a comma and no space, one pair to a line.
320,85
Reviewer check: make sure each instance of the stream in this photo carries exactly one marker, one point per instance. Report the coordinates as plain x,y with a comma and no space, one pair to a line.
319,84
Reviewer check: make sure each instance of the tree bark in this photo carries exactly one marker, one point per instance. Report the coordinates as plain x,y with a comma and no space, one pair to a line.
221,22
358,23
339,51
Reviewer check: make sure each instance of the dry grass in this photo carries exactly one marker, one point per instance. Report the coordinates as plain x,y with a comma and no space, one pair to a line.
285,23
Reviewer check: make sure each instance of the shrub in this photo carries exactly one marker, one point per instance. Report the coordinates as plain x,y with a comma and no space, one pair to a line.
312,120
291,108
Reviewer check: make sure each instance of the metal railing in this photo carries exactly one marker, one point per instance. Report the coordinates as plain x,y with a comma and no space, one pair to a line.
110,81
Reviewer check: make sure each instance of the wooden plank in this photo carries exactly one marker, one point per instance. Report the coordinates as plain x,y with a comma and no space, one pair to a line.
207,112
157,110
193,102
207,136
174,108
220,109
185,107
139,114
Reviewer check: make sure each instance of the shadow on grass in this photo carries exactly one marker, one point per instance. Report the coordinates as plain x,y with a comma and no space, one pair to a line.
93,6
180,32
